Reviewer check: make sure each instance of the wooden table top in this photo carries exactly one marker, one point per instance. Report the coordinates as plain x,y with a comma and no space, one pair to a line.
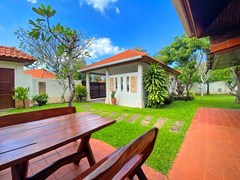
25,141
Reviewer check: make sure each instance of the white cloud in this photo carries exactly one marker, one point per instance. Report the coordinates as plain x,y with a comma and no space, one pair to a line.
99,5
117,10
32,1
103,46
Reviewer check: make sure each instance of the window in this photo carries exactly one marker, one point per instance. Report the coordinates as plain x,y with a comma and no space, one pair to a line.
116,84
127,83
121,83
41,87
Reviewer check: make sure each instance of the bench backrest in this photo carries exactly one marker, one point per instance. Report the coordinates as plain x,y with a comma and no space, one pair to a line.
19,118
110,166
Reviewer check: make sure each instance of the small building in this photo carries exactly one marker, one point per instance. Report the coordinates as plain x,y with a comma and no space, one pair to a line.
44,81
124,74
11,74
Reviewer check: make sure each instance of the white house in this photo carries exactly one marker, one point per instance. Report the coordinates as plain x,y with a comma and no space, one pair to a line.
11,74
44,81
124,74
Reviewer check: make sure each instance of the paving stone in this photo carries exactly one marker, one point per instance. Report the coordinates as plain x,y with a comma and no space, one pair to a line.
122,117
86,107
113,114
177,126
103,113
160,122
133,118
146,120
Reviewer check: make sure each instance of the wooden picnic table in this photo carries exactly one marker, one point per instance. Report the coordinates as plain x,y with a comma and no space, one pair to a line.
22,142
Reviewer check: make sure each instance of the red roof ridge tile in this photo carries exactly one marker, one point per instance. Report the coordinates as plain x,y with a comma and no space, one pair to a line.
129,53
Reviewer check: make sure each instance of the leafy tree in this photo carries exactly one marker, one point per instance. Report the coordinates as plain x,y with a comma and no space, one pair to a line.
187,54
156,86
139,48
219,75
96,78
70,43
48,57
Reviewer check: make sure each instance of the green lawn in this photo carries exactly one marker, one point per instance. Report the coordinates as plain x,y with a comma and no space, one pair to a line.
168,143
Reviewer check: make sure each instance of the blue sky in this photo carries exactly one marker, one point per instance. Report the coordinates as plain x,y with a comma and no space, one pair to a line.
115,24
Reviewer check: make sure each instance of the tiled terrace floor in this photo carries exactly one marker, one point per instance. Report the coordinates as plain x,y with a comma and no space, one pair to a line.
211,148
68,172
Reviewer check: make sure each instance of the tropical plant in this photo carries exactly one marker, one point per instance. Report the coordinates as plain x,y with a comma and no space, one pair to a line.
80,92
155,85
71,44
113,94
41,98
21,94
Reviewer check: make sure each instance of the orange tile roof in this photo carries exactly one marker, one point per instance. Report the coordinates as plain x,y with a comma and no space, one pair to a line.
128,54
15,55
123,55
40,73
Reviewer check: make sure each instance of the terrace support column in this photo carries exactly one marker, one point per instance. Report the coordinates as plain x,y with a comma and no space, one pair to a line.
88,86
107,100
140,102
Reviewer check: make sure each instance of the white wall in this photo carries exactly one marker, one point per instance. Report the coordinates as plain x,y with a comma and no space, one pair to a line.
53,89
219,87
125,98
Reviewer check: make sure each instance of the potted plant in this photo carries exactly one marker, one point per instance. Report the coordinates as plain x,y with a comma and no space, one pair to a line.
80,92
41,98
21,97
113,98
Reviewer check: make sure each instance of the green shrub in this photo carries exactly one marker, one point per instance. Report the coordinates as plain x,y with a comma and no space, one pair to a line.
80,92
21,93
168,100
113,94
41,98
155,85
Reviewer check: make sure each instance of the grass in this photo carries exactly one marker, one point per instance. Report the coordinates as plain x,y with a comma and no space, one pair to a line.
168,143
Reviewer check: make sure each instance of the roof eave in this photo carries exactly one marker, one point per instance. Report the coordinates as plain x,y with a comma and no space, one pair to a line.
17,60
110,64
185,15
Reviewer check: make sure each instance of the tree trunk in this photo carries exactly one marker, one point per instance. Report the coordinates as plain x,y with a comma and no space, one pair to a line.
63,94
64,86
71,80
202,84
207,87
237,100
187,89
236,77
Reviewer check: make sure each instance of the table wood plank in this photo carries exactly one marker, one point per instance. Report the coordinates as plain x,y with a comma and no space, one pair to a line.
22,142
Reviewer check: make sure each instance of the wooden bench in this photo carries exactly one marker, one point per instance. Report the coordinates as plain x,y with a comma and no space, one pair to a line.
19,118
124,162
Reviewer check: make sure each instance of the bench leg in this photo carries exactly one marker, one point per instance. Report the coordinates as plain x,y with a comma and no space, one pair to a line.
140,174
85,147
20,171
